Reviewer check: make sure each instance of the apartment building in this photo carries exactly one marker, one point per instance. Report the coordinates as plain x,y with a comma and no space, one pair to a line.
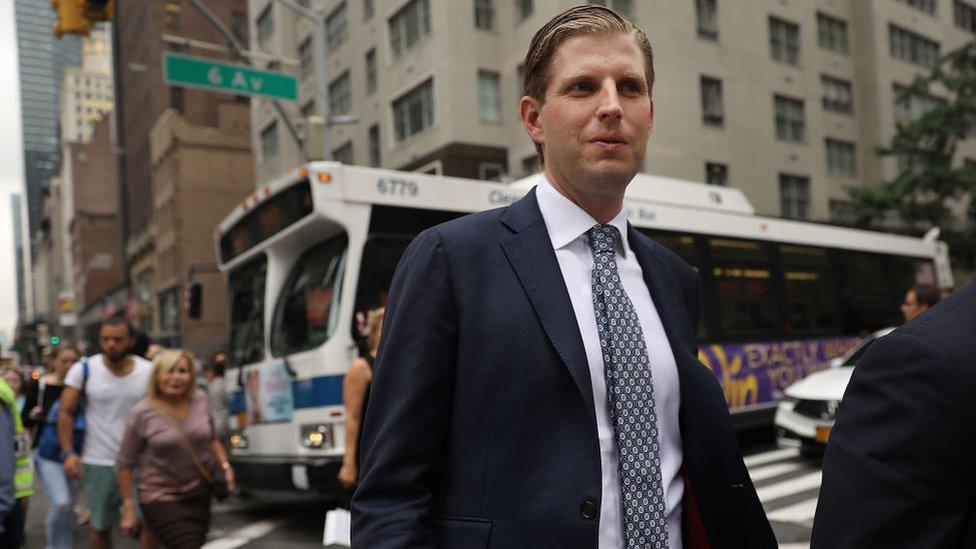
784,99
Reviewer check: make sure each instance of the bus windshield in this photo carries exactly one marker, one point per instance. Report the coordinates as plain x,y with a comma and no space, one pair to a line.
247,290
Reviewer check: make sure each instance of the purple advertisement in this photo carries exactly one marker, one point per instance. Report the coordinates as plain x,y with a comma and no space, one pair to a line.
757,373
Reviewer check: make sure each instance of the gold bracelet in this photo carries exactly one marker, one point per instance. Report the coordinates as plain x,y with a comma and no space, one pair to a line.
224,465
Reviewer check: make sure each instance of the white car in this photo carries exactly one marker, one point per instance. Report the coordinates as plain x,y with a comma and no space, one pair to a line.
805,414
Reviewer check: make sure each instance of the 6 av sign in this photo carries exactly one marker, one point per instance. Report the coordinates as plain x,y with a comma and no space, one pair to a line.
198,72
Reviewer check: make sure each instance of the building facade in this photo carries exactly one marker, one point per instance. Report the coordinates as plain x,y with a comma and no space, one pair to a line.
141,97
196,171
784,99
42,59
86,93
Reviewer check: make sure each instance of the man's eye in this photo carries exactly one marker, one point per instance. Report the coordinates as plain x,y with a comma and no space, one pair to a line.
581,86
632,87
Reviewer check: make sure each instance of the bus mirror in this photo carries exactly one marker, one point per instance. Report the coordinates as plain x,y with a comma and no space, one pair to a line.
193,299
314,135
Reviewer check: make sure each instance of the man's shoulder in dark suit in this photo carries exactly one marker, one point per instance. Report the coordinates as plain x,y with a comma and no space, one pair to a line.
900,468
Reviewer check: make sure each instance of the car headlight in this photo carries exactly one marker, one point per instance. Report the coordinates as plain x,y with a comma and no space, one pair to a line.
317,436
238,440
830,409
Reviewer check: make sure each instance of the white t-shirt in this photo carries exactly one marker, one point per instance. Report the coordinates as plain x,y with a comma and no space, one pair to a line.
108,403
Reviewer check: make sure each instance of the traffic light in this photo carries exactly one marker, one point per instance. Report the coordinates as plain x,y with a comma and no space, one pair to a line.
76,16
55,340
193,298
72,17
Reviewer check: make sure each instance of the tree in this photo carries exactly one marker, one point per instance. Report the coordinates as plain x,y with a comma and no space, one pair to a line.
937,111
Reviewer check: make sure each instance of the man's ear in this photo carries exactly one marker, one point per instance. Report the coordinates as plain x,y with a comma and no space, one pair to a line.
529,111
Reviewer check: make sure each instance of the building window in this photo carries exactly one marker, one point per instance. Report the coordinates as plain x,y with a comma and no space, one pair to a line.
716,174
269,141
841,159
414,111
928,6
371,74
266,24
343,154
789,119
336,27
484,14
339,98
837,95
489,99
374,146
911,107
711,97
524,9
965,16
175,99
706,13
623,7
832,33
408,26
794,196
308,109
784,40
305,57
911,47
369,8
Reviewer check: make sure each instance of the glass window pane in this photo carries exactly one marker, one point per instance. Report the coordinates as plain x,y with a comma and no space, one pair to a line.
246,288
808,291
741,271
307,312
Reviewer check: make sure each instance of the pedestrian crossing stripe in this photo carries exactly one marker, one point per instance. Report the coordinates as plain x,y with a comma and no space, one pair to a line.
787,485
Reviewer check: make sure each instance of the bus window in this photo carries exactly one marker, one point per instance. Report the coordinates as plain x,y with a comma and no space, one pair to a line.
742,277
381,254
684,245
247,290
307,312
811,306
870,291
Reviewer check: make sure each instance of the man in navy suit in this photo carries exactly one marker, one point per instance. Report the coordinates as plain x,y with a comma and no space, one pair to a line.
900,468
537,384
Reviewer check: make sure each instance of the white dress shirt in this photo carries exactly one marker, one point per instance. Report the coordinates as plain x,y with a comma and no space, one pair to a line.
567,224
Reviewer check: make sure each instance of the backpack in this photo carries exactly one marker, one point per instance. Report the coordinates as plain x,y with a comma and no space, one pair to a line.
48,445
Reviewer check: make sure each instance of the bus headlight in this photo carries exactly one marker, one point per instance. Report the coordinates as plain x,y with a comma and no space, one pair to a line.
317,436
238,440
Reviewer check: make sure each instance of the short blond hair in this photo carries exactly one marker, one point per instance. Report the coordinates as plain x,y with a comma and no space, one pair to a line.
164,362
587,20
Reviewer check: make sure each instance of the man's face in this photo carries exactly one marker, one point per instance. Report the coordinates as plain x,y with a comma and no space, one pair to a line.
115,340
911,308
597,114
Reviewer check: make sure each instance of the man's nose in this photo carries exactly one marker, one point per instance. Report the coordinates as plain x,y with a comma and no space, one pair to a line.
609,106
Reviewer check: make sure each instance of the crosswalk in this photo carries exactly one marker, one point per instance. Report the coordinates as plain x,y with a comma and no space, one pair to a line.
788,486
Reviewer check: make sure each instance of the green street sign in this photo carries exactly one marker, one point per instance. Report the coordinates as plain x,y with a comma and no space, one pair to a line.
198,72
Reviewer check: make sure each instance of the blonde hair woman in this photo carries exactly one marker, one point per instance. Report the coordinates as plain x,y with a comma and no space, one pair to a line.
355,395
170,441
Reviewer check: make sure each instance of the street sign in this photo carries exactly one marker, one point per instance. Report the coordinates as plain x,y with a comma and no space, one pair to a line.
209,74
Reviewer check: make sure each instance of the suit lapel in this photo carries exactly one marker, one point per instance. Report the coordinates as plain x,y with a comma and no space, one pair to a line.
529,250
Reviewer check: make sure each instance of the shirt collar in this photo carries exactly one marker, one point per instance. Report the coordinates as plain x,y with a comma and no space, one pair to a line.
566,221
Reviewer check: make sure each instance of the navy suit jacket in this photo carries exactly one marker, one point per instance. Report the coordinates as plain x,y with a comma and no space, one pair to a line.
900,468
481,431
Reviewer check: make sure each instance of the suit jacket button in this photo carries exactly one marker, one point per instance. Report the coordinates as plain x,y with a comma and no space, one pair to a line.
588,509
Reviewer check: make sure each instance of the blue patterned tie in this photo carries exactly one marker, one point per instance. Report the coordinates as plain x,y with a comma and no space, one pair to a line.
630,392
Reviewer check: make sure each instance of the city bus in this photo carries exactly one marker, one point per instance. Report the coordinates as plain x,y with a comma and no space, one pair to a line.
310,253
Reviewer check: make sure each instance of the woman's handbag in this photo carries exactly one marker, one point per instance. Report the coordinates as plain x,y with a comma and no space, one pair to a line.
218,485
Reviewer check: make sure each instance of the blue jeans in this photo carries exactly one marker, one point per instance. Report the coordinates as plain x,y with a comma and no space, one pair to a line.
62,492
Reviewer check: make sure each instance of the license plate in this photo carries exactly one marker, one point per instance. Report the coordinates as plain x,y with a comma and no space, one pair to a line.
823,434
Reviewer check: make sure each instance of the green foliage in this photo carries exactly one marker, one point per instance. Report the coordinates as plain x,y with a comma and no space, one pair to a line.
931,179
